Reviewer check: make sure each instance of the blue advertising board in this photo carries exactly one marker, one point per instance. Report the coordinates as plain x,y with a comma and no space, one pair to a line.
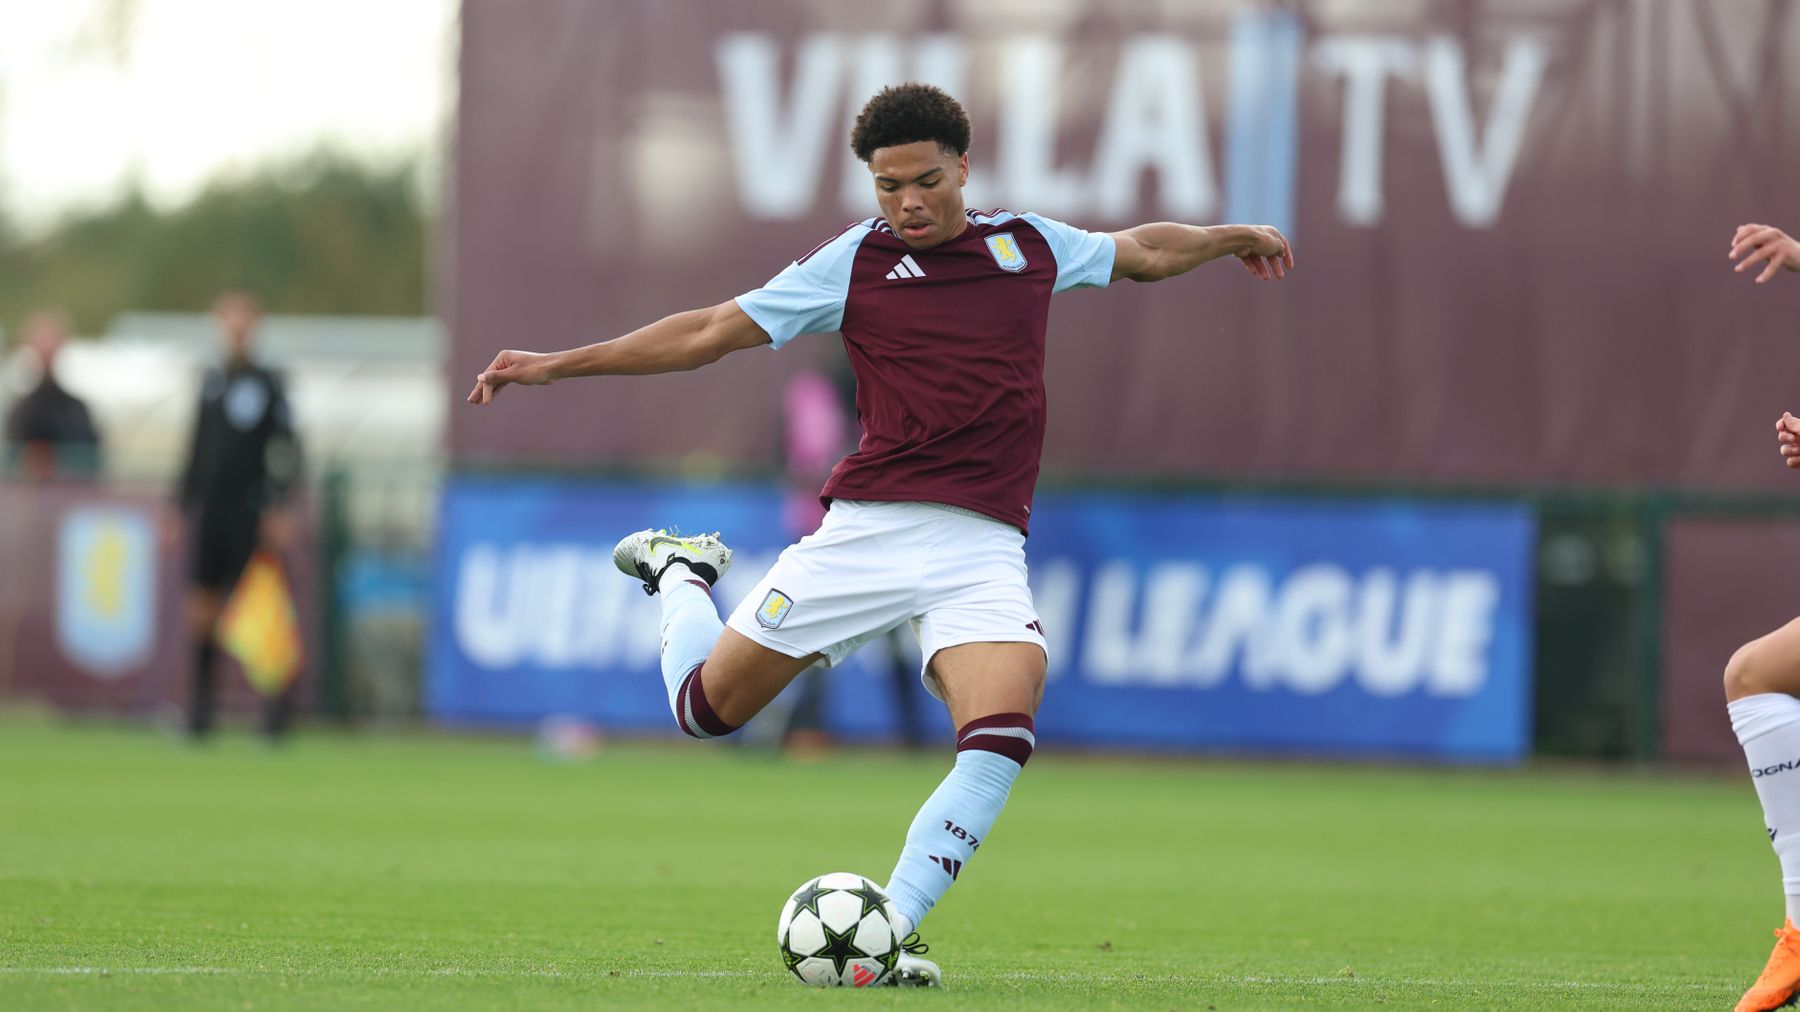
1267,624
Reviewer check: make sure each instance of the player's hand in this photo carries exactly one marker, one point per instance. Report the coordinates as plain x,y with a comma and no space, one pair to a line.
528,367
1764,242
276,530
1267,255
171,528
1787,431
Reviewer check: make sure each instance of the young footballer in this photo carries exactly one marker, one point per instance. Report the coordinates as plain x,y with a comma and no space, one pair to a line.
1761,682
943,312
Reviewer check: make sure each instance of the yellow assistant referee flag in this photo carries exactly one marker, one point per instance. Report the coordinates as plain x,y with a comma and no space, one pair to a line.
260,628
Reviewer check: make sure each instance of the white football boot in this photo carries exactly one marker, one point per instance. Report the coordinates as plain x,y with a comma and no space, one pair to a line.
648,554
912,969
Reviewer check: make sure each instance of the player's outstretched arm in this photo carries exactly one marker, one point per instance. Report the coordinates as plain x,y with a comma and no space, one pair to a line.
672,344
1764,242
1164,249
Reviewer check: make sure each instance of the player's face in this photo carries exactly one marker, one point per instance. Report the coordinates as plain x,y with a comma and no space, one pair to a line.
237,317
46,333
919,187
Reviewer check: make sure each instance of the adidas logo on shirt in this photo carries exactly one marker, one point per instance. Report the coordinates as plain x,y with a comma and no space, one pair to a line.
906,268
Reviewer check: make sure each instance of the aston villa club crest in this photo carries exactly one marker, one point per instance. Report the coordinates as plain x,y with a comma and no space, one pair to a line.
1006,251
106,589
774,609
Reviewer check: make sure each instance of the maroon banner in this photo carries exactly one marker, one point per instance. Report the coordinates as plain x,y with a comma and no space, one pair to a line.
1727,582
1511,222
91,602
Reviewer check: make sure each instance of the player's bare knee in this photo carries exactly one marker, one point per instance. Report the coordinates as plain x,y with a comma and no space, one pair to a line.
1738,673
1754,669
203,610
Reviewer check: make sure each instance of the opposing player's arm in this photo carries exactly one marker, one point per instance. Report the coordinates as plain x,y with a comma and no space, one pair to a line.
1163,249
1787,434
672,344
1764,242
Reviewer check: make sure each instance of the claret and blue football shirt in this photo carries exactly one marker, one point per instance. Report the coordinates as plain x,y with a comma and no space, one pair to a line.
947,345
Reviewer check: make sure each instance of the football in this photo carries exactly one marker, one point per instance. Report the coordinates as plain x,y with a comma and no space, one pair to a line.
837,930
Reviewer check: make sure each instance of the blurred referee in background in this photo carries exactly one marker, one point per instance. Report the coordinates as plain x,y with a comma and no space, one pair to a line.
244,462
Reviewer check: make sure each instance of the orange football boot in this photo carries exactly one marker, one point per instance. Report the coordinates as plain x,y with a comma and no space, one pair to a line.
1781,978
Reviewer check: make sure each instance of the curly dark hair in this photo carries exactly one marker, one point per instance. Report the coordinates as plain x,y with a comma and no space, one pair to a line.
906,114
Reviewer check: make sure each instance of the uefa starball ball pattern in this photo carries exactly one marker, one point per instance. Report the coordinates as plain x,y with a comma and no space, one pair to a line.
837,930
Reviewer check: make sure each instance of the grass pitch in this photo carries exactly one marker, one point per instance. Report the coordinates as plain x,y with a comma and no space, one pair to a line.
427,872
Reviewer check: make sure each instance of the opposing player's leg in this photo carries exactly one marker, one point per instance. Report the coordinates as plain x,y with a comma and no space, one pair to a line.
716,678
1762,680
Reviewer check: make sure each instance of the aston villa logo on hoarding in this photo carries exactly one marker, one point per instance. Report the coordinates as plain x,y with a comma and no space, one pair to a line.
106,589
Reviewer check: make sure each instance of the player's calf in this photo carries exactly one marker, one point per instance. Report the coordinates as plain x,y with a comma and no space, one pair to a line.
990,753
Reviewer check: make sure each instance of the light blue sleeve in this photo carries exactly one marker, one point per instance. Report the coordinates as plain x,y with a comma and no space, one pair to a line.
1083,259
808,296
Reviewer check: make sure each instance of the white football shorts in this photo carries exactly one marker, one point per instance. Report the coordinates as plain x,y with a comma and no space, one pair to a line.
872,566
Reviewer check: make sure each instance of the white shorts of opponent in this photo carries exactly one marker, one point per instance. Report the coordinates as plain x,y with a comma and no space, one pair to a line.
872,566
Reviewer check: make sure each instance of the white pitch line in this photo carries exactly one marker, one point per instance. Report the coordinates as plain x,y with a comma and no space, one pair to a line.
463,971
106,971
1064,976
1549,985
444,971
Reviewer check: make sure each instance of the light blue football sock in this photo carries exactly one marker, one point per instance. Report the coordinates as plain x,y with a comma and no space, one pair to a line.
955,820
690,627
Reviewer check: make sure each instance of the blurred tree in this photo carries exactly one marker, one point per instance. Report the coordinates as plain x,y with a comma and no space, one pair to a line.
6,233
106,33
327,235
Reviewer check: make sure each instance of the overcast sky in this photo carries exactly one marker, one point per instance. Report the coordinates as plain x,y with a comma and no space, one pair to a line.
172,92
